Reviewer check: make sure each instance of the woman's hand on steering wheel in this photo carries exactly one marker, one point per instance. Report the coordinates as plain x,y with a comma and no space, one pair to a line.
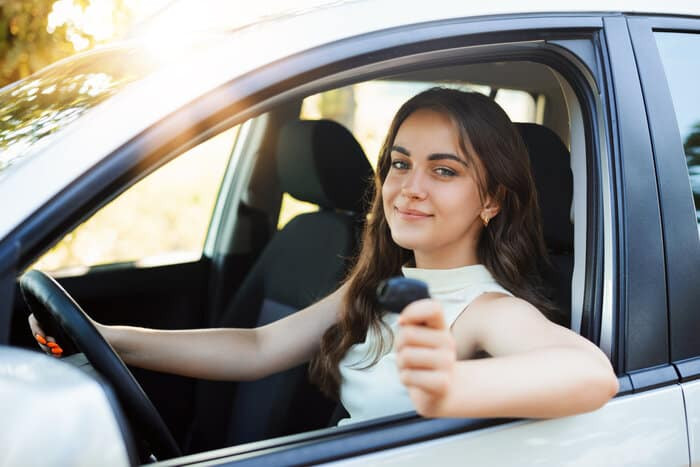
63,319
47,343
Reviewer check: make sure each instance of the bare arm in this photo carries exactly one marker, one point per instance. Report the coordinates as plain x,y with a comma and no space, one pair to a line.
226,353
538,369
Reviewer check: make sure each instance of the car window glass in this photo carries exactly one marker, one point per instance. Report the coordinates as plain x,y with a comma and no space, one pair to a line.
161,219
366,109
682,65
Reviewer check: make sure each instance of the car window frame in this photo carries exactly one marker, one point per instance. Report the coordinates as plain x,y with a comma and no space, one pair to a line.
214,110
683,253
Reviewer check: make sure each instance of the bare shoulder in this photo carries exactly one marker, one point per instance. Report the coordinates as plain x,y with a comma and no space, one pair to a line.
503,324
495,305
485,316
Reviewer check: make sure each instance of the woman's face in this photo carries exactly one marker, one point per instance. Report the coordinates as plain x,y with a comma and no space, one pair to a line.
431,195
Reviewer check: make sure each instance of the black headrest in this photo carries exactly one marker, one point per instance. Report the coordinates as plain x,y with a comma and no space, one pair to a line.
551,168
321,162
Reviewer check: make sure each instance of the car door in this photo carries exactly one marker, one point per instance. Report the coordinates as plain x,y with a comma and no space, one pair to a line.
624,286
669,65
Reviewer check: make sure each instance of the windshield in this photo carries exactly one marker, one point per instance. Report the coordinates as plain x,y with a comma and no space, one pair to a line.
46,102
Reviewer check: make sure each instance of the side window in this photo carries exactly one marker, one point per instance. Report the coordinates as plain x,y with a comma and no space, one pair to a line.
679,56
163,218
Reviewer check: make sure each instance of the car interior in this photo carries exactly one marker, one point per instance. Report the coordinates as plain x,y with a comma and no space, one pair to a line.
254,269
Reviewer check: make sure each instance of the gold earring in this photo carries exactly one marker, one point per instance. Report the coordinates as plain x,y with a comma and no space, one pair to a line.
485,220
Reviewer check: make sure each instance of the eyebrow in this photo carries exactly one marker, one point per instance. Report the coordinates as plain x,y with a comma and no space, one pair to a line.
432,157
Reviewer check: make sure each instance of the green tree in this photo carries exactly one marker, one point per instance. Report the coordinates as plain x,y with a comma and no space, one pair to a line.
26,45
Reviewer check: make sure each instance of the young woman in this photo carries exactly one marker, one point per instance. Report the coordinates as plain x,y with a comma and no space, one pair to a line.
455,206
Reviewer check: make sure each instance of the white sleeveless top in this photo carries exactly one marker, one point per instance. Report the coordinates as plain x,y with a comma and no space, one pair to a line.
377,391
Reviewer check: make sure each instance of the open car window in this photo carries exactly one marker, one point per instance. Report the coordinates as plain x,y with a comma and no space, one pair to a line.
529,92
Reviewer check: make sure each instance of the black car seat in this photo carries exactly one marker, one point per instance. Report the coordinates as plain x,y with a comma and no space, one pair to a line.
551,167
322,163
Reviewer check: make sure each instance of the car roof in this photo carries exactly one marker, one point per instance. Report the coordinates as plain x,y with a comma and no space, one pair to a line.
222,15
225,56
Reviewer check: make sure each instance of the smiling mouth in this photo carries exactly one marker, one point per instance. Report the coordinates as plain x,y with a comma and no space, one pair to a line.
411,214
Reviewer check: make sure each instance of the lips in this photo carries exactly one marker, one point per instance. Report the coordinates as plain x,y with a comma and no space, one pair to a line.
412,213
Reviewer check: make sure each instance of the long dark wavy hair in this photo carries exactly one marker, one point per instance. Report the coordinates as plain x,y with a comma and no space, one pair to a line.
512,246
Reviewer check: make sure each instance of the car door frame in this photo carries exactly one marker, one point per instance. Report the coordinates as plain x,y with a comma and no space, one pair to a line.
683,253
680,231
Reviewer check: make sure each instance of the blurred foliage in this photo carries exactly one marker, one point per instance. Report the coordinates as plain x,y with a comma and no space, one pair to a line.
26,45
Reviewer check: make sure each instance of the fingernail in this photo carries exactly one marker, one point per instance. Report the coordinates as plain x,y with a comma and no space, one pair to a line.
56,350
52,344
40,339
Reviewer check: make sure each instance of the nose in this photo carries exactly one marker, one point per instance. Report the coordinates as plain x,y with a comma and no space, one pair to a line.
413,186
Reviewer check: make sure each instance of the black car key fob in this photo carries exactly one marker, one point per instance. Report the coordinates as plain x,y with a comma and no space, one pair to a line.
396,293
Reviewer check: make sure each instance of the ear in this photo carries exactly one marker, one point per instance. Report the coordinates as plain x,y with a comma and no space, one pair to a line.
492,205
489,211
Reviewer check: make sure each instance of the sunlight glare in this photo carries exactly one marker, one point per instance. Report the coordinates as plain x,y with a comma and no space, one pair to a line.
161,31
95,20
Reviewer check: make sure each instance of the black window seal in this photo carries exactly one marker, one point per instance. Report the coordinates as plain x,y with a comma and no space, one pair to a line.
681,245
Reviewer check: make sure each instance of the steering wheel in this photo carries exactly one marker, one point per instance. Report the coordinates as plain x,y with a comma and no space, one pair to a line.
60,316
